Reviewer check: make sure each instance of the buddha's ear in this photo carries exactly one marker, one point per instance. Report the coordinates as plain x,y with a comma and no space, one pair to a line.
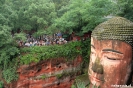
132,73
130,79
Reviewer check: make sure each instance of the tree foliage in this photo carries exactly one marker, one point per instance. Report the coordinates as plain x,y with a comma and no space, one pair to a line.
40,14
66,15
8,50
125,8
60,6
27,14
83,15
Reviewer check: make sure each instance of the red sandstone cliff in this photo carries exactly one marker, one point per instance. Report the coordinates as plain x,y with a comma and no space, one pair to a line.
52,73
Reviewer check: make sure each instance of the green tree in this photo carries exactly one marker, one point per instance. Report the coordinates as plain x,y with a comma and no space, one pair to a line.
30,15
83,15
124,8
8,50
40,14
60,6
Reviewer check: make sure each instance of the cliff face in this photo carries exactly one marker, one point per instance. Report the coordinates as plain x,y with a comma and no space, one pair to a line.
52,73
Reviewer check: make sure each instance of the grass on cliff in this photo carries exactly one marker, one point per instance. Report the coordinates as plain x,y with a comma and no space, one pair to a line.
38,53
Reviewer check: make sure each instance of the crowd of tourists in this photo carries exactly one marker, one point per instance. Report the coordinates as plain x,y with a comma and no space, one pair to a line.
43,40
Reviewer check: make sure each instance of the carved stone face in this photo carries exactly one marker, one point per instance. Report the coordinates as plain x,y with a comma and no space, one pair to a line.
110,63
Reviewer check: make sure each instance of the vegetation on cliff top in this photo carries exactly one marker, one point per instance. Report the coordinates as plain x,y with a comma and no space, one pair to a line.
37,53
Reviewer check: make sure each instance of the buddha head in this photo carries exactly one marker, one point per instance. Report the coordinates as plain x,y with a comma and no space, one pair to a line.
111,60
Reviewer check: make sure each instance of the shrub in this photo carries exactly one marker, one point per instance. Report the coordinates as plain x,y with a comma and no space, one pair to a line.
37,53
1,84
10,74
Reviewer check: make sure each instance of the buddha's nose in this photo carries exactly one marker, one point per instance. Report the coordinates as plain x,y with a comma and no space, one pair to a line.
97,66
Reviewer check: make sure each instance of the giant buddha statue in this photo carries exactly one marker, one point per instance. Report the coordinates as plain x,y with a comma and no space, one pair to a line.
111,59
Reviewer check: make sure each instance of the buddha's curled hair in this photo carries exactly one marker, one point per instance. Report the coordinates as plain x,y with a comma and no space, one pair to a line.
116,28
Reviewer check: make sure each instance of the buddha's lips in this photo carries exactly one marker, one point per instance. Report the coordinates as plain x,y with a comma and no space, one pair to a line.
95,78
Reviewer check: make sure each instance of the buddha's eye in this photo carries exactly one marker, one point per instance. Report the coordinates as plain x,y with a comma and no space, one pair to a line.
112,58
92,52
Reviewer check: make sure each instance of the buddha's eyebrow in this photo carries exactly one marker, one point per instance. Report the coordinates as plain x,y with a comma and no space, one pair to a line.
93,46
111,50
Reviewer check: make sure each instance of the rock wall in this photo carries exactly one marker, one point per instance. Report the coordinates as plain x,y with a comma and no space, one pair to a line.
52,73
